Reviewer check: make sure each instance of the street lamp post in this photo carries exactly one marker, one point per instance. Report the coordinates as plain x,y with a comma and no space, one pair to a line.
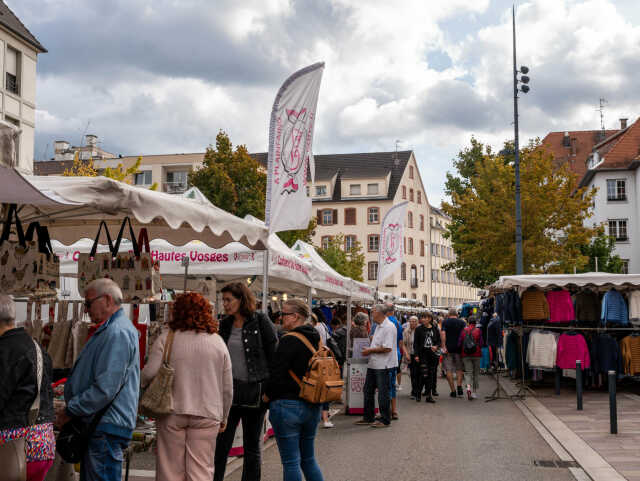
524,89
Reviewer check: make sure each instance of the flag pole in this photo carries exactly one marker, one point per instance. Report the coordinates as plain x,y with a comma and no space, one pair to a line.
265,281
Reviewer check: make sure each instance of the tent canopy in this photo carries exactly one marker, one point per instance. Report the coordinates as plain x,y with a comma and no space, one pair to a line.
72,208
550,281
327,282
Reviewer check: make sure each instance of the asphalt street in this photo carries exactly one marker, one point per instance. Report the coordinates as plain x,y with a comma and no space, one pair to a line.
453,440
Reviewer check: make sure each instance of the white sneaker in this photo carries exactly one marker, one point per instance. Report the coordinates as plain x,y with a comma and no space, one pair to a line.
469,394
398,387
474,395
327,425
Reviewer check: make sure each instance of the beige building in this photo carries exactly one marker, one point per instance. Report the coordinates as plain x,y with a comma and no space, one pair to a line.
19,51
90,150
446,289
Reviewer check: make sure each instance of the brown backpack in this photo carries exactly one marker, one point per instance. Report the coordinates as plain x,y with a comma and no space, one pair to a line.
322,382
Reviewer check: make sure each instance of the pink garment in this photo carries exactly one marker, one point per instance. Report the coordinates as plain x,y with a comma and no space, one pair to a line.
571,348
37,470
560,306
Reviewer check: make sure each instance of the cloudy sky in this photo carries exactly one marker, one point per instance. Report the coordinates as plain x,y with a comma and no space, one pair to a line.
163,76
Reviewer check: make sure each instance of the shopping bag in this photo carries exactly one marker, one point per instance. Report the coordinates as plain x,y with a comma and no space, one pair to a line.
28,266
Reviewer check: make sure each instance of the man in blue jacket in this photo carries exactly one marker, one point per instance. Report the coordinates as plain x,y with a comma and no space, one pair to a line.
107,371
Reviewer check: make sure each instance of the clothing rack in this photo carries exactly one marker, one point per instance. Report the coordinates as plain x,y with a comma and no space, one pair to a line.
578,328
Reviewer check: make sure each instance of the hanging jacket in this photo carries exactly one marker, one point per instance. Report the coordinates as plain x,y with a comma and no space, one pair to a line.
534,306
512,308
614,308
605,355
587,309
542,349
630,350
494,332
572,347
634,307
560,306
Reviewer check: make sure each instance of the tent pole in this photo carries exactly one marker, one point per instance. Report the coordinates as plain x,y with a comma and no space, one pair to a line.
348,357
310,298
265,282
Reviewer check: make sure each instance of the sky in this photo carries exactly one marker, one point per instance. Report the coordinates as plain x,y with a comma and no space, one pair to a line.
164,76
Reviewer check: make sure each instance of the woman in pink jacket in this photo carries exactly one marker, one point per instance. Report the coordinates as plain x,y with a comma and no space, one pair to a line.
202,391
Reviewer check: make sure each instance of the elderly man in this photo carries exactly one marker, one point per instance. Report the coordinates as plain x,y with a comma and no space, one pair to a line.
407,339
106,375
451,329
382,361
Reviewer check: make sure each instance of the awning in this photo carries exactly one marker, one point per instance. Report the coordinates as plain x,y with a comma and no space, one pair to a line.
72,208
550,281
327,282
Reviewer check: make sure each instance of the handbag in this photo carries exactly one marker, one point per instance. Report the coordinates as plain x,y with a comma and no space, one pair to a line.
157,399
73,440
13,455
246,394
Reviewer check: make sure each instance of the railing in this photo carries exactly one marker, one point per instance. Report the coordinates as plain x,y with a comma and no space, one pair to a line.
174,187
414,282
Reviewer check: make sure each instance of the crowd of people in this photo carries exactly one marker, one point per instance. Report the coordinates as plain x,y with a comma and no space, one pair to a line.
225,372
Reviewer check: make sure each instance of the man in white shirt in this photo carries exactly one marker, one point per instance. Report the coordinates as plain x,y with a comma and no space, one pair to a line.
382,358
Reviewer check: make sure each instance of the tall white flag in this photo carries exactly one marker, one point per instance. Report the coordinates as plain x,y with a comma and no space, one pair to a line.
391,253
290,156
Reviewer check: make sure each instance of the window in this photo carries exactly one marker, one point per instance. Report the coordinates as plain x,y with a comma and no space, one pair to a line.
419,197
354,189
425,300
404,245
11,65
437,251
421,222
372,271
433,249
349,242
373,215
321,190
433,274
403,272
372,189
404,192
179,177
411,245
421,273
411,171
403,295
373,242
324,242
143,178
410,220
327,217
616,189
414,276
413,295
410,195
422,248
618,229
350,216
307,189
625,266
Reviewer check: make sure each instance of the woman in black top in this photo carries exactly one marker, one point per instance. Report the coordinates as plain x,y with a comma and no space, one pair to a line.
251,339
294,421
426,343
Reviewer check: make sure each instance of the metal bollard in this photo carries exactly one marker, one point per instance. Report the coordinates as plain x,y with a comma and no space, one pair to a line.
613,409
579,384
558,378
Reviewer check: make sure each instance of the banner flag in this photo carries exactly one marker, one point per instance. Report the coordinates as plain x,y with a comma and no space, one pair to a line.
391,253
290,159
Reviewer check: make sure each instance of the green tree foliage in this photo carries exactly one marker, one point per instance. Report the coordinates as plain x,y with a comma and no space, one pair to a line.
482,209
290,237
86,168
348,263
601,247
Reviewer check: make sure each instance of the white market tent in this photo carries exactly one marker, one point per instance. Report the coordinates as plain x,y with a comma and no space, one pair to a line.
327,282
549,281
361,291
72,208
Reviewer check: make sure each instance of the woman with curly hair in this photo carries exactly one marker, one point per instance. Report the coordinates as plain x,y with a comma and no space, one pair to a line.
251,339
202,390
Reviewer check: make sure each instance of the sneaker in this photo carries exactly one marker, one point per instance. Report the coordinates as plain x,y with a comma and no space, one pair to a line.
460,393
328,425
474,395
395,416
468,392
412,397
435,393
453,394
430,400
363,422
417,398
379,424
398,387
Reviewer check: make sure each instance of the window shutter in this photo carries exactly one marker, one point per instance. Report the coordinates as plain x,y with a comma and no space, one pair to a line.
335,216
350,216
319,216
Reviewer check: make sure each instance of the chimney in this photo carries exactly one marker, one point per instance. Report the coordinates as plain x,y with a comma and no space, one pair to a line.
623,124
565,140
91,140
574,146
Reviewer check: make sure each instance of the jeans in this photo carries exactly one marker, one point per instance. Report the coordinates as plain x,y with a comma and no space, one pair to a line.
252,423
102,460
377,378
414,371
392,382
472,371
295,423
427,374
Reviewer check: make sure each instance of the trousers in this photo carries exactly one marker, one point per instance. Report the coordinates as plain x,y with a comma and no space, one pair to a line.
472,372
428,374
377,378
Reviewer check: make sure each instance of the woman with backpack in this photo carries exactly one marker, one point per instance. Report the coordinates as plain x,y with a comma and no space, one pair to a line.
294,420
471,343
251,339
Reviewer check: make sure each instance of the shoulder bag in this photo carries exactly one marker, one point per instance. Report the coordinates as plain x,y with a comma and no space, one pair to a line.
13,456
157,399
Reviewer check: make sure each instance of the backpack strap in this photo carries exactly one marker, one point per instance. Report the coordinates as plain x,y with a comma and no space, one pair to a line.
306,342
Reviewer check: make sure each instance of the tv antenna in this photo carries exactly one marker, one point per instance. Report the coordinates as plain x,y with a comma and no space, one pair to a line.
600,109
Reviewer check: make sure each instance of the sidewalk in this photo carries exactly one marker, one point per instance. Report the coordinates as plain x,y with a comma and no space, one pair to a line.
585,434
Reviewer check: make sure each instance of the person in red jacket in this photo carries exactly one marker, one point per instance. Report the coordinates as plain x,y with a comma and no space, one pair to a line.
470,343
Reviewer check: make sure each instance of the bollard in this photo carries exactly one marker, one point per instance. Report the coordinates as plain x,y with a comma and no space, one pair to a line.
613,409
558,377
579,384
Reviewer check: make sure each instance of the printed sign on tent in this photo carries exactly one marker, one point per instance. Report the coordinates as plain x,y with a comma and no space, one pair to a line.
391,252
290,158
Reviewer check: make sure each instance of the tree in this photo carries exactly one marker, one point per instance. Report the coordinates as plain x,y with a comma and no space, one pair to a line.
86,168
290,237
601,247
348,263
482,209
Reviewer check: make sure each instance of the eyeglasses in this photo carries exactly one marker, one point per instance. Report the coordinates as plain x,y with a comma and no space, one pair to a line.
89,302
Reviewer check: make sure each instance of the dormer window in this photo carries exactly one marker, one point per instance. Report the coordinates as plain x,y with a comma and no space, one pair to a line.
321,190
411,171
372,189
354,189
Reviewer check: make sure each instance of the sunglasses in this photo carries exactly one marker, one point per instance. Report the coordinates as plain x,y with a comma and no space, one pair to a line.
89,302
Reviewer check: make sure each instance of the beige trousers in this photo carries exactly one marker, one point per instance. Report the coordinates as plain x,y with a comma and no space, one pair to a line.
186,448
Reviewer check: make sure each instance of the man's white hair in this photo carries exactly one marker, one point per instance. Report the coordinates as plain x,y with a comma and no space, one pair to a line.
453,312
106,287
7,309
388,307
380,308
413,317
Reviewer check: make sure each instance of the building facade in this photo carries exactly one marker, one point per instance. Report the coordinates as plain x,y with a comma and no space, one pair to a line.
19,51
